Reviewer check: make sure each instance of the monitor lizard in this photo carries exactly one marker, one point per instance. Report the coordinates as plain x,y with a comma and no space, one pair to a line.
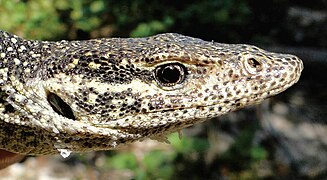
101,93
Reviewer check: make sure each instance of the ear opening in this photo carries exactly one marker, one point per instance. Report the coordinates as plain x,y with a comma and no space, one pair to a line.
60,106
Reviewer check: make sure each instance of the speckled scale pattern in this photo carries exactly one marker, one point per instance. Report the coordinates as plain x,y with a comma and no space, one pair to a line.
115,94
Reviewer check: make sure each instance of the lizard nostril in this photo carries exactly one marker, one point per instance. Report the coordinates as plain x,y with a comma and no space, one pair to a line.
59,106
253,65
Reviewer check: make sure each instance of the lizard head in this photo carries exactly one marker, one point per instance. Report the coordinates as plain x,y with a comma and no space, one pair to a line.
149,86
113,91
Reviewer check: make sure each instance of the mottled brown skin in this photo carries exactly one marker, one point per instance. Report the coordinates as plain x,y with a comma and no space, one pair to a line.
101,93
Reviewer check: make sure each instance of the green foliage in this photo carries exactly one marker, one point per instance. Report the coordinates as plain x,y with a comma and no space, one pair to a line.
151,28
187,159
155,164
223,20
188,145
54,19
36,19
122,161
243,150
158,164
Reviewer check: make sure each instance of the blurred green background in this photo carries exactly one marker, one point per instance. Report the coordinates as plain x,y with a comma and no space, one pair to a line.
251,21
223,148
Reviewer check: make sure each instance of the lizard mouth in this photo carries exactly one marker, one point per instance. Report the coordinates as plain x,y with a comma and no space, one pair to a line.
168,121
196,114
257,98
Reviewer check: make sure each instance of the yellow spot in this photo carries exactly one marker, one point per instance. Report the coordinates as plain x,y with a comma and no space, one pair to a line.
92,98
75,61
2,55
71,65
88,54
93,65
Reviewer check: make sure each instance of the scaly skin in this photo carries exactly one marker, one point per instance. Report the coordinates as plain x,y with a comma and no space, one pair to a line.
101,93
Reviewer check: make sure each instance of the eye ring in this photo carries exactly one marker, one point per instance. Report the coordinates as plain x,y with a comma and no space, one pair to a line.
170,74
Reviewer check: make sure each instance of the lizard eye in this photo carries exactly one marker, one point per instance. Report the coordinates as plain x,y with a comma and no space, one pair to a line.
170,74
59,106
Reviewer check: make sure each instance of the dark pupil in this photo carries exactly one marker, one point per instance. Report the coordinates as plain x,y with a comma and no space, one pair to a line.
170,74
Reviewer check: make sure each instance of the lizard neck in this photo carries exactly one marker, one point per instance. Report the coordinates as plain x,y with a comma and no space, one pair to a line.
20,59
